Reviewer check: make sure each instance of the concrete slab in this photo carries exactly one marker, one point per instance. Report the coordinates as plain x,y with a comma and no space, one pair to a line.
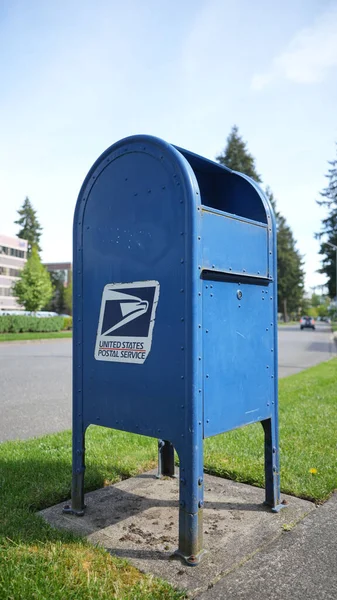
137,519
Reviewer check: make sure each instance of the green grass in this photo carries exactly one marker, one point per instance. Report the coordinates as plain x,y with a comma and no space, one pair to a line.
334,326
36,335
38,562
308,438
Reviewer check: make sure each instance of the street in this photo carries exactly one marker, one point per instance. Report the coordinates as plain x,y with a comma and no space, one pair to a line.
299,350
36,378
35,388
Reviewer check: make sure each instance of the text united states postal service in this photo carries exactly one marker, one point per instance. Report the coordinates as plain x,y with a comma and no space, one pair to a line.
126,321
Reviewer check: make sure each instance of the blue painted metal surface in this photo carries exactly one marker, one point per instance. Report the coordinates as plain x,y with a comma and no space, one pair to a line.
174,312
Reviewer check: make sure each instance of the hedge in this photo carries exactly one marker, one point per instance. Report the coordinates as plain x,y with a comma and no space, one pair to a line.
24,323
68,323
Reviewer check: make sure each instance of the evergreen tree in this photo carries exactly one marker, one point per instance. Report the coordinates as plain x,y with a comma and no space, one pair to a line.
57,302
34,289
272,201
290,273
329,228
290,269
235,156
30,226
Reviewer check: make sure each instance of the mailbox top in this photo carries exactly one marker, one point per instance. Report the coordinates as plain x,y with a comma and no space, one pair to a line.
217,187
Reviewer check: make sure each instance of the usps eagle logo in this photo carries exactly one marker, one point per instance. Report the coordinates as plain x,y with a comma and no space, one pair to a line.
126,321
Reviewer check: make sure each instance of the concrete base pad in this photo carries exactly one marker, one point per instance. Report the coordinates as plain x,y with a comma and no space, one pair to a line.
137,519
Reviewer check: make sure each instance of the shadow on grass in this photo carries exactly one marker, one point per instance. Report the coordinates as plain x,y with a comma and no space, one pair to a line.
29,485
38,560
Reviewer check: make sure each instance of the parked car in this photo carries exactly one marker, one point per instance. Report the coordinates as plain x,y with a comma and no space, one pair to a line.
307,323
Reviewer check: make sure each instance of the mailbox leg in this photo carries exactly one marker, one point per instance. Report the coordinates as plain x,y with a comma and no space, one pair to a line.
191,502
272,465
77,490
165,459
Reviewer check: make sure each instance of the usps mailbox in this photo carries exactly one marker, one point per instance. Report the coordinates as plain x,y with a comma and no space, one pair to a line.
175,317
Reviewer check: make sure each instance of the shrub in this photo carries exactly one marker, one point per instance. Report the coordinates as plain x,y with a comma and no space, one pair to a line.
4,323
67,323
24,323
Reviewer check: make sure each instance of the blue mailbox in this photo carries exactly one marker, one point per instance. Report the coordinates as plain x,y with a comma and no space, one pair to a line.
175,317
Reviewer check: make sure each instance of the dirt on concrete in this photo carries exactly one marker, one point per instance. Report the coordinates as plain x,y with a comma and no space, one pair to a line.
137,519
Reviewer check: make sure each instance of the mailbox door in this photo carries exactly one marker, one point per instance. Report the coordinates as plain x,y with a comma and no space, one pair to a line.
238,353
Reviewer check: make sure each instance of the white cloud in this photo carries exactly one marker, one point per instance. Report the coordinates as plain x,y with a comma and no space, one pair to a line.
309,55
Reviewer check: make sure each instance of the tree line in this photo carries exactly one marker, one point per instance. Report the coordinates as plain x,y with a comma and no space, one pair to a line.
37,289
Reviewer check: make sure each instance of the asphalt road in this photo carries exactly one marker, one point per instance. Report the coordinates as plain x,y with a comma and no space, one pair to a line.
35,392
36,378
299,350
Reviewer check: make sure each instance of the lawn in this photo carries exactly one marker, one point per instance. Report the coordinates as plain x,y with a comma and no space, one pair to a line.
35,335
308,438
37,561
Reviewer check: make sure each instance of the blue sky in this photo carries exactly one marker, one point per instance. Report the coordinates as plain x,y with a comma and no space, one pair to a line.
76,76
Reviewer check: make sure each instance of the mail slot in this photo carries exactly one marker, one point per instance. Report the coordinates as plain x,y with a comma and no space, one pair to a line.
175,313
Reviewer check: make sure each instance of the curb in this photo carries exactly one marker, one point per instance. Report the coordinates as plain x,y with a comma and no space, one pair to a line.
38,341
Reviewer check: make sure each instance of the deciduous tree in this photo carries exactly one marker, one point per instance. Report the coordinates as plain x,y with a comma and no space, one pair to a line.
34,289
68,295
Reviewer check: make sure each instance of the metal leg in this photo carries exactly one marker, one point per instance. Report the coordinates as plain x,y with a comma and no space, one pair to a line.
77,492
272,465
165,459
191,502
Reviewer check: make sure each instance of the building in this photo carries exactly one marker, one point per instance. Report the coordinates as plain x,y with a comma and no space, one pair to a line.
13,255
63,269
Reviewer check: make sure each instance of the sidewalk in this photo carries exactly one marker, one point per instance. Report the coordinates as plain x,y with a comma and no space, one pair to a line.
301,564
